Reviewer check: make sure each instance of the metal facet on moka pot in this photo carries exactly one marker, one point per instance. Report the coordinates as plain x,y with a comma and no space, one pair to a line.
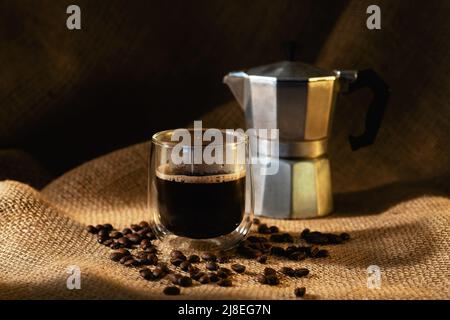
298,99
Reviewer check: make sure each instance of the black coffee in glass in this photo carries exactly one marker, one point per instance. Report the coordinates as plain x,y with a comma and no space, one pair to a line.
200,205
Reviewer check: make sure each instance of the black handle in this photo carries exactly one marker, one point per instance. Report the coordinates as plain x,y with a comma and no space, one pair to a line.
369,78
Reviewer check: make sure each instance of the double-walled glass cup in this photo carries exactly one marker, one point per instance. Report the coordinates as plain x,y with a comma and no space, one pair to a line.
200,188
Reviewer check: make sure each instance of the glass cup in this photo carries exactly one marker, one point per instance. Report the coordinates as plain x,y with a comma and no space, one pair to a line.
200,187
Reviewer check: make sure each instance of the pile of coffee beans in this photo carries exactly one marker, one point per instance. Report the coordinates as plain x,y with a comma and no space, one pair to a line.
133,247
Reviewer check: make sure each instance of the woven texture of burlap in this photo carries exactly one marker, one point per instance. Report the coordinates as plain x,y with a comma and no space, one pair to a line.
42,234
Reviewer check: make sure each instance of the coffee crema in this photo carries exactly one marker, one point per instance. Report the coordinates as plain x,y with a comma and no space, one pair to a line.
202,205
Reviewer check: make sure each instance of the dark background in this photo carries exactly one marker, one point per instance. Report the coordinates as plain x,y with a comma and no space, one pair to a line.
137,67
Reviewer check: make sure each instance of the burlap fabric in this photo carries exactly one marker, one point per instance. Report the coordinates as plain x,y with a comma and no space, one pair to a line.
42,234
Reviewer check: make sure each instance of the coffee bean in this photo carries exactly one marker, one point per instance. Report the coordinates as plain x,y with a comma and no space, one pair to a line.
193,270
185,281
115,234
261,278
125,259
150,235
269,271
345,236
208,256
158,273
103,233
145,243
176,261
91,229
301,272
108,242
130,262
115,245
264,229
107,226
287,271
125,241
277,251
274,229
146,274
193,258
262,259
151,249
149,259
174,277
171,291
223,259
134,238
176,254
225,283
272,280
204,279
256,221
304,233
101,239
277,237
135,227
144,224
185,265
321,254
126,231
239,268
198,275
212,266
300,292
297,256
213,277
116,256
224,271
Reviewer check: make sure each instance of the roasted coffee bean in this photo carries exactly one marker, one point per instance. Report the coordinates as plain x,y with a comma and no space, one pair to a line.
150,259
185,281
144,224
123,251
101,239
176,261
193,258
226,271
277,251
239,268
130,262
204,279
158,273
150,235
269,271
297,256
198,275
126,231
146,273
174,277
151,249
288,271
277,237
262,259
248,252
345,236
143,232
185,265
116,256
125,259
193,270
125,241
134,238
107,226
103,233
254,239
171,291
208,256
212,266
225,282
135,227
264,229
176,254
272,280
108,242
213,277
91,229
321,254
115,234
115,245
274,229
223,259
290,250
145,243
301,272
256,221
99,227
300,292
304,233
261,278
